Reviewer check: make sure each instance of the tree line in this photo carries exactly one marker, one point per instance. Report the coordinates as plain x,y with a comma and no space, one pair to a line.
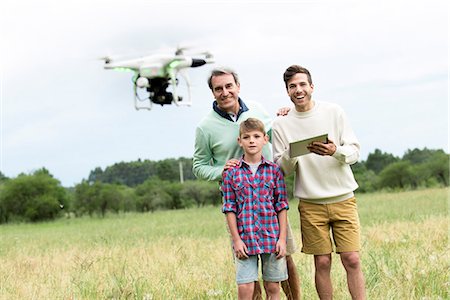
146,186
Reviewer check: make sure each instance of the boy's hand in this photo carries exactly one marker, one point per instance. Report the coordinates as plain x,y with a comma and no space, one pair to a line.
240,250
281,248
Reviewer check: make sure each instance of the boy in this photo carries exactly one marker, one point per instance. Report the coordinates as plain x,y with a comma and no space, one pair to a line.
255,205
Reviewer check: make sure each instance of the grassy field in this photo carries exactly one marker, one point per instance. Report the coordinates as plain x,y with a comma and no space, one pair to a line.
186,254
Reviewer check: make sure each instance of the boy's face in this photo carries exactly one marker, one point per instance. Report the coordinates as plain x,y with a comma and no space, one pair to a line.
253,141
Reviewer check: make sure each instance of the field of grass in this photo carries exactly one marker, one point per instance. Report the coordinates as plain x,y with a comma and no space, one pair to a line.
186,254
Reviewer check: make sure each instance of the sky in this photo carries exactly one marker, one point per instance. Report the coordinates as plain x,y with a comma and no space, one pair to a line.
385,62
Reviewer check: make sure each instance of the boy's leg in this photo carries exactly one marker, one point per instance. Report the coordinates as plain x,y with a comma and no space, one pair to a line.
272,290
245,290
273,271
246,276
257,292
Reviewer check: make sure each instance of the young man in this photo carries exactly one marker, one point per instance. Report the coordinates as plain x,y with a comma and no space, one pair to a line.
324,181
215,146
255,205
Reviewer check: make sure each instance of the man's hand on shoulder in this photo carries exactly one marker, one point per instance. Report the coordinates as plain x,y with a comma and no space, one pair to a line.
230,164
283,111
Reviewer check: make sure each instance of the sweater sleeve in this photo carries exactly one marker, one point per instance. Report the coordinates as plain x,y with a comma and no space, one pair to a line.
281,152
347,148
202,160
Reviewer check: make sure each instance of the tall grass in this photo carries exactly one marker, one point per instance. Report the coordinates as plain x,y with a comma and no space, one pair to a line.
185,254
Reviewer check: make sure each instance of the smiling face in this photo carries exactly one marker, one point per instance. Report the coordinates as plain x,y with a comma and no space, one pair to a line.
226,92
300,91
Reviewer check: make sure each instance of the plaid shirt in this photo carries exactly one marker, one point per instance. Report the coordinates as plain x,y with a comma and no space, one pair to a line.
255,200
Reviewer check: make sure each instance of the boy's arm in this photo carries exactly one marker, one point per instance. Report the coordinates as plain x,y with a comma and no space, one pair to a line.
229,208
281,243
239,247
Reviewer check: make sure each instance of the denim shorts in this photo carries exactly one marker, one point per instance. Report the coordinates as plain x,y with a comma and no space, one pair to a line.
273,269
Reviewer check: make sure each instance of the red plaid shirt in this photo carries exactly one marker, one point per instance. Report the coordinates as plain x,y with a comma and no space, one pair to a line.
255,200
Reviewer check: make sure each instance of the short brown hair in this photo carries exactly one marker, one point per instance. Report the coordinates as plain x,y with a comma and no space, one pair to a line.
222,71
251,124
294,69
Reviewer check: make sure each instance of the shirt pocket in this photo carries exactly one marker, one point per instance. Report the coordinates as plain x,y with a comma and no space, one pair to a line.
267,200
240,191
267,189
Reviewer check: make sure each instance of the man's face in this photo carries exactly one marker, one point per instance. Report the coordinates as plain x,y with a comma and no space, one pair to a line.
226,92
253,141
300,92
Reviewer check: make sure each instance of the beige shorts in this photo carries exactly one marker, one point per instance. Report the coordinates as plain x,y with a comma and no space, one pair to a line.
291,246
319,220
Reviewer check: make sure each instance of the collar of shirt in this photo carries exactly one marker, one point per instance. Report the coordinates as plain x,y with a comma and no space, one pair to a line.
242,108
242,162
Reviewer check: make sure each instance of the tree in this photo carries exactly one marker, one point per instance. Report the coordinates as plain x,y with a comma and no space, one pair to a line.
378,160
151,195
3,178
366,179
417,156
200,193
397,175
34,197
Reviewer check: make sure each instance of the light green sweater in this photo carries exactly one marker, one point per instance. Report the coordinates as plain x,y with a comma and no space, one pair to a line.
216,141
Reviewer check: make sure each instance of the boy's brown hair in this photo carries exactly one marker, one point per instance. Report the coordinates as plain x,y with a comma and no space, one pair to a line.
251,124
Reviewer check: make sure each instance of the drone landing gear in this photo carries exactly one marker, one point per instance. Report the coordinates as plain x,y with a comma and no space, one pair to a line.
158,94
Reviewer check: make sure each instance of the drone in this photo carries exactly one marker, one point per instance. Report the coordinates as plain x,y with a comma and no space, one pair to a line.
155,73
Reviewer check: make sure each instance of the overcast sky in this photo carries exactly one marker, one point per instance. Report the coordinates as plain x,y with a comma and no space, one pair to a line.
385,62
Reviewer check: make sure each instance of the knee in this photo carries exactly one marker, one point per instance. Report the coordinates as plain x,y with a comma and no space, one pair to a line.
246,290
272,288
351,260
322,262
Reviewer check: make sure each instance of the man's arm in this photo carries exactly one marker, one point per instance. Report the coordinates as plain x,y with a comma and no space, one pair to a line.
346,149
281,153
202,159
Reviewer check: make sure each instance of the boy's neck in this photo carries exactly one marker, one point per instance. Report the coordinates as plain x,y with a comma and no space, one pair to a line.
253,159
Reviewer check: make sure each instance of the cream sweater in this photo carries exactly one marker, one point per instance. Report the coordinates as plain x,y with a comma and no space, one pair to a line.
319,179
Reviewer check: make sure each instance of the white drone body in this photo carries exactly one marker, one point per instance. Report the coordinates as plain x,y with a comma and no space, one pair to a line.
156,72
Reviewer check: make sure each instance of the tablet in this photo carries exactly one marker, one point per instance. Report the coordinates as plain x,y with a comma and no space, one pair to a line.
299,148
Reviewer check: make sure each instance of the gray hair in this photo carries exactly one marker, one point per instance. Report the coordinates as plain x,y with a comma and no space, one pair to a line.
222,71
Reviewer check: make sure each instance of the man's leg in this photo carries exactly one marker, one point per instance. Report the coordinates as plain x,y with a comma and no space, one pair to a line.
323,276
355,277
291,286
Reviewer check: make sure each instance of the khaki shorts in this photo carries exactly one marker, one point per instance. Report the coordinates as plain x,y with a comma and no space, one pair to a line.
318,219
291,246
